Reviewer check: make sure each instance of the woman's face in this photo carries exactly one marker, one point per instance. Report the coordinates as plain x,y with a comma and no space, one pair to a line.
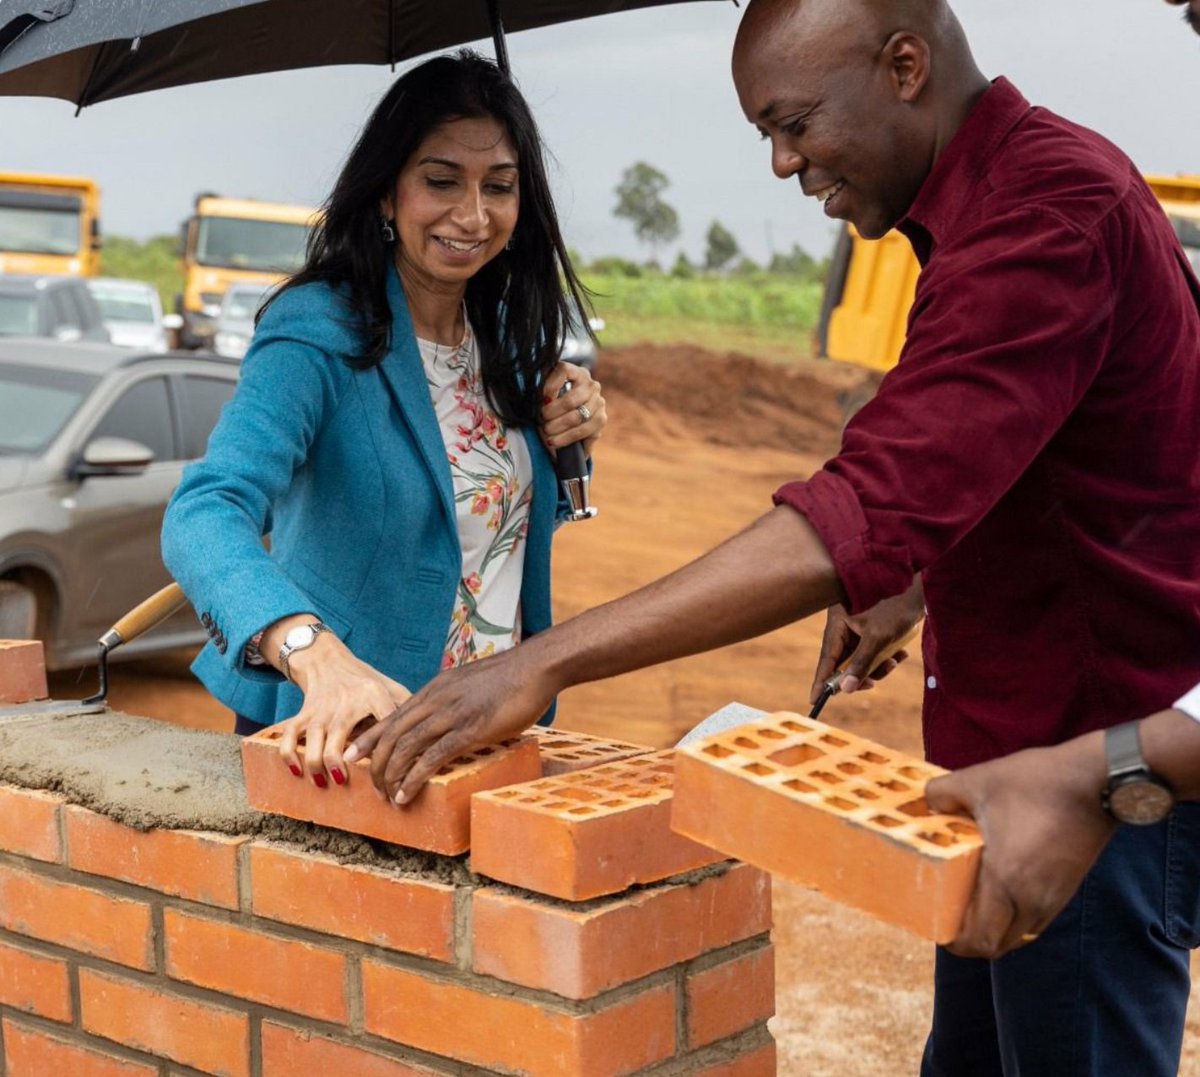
455,202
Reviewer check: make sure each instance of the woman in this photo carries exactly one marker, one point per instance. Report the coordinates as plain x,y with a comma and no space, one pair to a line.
388,428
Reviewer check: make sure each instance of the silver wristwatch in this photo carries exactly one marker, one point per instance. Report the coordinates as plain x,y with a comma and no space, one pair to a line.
297,639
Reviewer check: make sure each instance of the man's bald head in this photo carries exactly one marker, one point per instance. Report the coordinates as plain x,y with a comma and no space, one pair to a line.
857,96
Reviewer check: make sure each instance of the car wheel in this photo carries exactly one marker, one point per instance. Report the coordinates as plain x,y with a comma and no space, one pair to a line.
18,611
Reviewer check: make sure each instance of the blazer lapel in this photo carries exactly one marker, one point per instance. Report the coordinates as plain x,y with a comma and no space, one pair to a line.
404,374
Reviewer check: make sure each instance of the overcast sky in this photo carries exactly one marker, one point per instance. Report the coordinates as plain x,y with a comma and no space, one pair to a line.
650,85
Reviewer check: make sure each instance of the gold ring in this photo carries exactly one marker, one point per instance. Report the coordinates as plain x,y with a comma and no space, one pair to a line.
585,413
1029,937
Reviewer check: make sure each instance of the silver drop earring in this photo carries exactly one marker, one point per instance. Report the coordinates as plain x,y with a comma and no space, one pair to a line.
386,230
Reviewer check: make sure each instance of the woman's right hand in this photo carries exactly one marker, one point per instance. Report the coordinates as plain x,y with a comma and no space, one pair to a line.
340,690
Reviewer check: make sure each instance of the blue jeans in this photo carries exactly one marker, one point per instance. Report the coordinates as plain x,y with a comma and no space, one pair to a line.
1103,992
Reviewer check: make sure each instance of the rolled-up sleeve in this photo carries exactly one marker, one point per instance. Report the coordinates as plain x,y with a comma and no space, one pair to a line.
1005,335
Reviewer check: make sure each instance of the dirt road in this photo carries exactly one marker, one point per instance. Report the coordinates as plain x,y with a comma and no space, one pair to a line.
695,446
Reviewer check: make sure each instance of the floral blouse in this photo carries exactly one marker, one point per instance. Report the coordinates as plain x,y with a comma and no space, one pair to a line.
492,475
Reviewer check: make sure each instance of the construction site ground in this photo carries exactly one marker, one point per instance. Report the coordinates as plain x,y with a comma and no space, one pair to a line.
695,445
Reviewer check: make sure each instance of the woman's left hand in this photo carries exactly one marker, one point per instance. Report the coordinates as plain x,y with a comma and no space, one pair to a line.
577,415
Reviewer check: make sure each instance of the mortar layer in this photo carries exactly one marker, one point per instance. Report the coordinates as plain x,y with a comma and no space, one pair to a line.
150,775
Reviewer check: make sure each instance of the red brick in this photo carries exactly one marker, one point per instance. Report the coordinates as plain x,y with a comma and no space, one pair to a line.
578,954
189,864
757,1062
508,1033
29,823
34,983
437,820
30,1052
365,904
22,671
275,971
564,751
730,997
209,1038
834,812
117,929
584,835
287,1052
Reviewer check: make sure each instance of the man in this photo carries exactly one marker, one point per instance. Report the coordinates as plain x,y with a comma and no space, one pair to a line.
1191,14
1033,461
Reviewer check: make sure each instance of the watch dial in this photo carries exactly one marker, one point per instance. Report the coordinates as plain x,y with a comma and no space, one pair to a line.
1140,803
300,636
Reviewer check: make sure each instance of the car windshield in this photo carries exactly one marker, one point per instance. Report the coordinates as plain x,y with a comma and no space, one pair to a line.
242,304
1188,231
270,246
35,404
123,305
18,315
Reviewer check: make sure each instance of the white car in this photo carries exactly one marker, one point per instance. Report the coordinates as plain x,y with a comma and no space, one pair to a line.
235,323
132,313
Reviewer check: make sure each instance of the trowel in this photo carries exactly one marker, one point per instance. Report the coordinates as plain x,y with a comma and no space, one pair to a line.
736,714
143,617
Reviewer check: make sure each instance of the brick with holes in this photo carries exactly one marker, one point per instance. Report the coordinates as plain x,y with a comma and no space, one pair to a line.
834,812
564,750
582,835
438,820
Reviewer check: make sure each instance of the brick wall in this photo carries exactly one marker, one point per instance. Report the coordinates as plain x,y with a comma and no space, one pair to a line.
173,953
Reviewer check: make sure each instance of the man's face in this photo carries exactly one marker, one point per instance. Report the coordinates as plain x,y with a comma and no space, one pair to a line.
831,111
1191,12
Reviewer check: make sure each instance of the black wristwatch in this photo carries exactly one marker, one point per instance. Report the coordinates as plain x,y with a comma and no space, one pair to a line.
1134,794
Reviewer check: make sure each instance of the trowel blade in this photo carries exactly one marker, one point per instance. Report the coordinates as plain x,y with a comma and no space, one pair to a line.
50,708
728,717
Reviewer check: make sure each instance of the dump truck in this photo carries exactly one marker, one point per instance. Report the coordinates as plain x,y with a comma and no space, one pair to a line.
871,285
49,225
235,239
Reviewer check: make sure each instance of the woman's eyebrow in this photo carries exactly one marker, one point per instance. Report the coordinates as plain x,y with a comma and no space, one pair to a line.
446,162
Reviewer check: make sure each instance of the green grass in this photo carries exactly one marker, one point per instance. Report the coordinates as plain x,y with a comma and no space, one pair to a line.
767,315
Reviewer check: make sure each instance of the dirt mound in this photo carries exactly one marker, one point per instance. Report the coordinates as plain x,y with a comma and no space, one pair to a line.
728,399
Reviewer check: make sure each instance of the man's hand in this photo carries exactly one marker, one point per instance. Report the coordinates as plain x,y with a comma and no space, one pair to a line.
864,637
1043,827
458,711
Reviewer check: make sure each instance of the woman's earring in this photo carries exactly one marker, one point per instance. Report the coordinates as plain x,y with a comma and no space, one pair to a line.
508,245
386,230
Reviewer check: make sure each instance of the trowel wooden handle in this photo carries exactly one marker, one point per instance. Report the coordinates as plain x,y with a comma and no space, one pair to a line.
144,616
891,648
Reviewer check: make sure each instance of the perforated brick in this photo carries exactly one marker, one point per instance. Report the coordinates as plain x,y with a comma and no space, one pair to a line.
438,820
580,835
564,751
832,811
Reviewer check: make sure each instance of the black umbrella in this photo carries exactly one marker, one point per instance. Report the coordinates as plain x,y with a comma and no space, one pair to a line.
87,51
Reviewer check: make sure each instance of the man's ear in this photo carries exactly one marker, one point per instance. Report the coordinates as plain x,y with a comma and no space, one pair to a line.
908,60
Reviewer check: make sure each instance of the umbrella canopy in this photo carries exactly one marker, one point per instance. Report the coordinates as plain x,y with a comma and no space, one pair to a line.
87,51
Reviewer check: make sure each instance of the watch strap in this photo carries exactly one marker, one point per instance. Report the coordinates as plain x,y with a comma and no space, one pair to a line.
1123,750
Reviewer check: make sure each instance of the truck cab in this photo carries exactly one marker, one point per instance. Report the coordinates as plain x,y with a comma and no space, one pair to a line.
49,225
235,239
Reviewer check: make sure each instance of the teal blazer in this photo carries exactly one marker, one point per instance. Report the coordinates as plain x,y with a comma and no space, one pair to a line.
347,472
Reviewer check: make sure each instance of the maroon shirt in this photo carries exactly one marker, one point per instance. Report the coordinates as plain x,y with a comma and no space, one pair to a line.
1036,453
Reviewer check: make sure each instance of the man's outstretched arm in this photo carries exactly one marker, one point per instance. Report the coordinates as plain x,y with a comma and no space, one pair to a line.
775,572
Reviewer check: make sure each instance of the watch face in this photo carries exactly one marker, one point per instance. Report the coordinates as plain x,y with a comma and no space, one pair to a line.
1140,802
300,636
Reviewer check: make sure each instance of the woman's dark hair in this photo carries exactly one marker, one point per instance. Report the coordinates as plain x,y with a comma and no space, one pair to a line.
521,302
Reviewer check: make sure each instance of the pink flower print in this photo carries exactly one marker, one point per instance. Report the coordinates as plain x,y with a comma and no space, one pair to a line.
501,443
480,505
473,583
495,488
447,661
513,486
488,422
494,522
523,530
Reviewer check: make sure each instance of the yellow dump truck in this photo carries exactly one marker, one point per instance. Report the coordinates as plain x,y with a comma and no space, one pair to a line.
49,225
235,239
871,283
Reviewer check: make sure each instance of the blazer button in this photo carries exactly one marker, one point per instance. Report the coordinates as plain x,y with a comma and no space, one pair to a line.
222,646
206,619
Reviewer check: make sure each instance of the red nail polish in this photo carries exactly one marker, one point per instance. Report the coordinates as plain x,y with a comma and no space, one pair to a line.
338,776
295,769
320,781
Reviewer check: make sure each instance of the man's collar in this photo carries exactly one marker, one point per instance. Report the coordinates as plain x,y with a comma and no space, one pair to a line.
947,189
